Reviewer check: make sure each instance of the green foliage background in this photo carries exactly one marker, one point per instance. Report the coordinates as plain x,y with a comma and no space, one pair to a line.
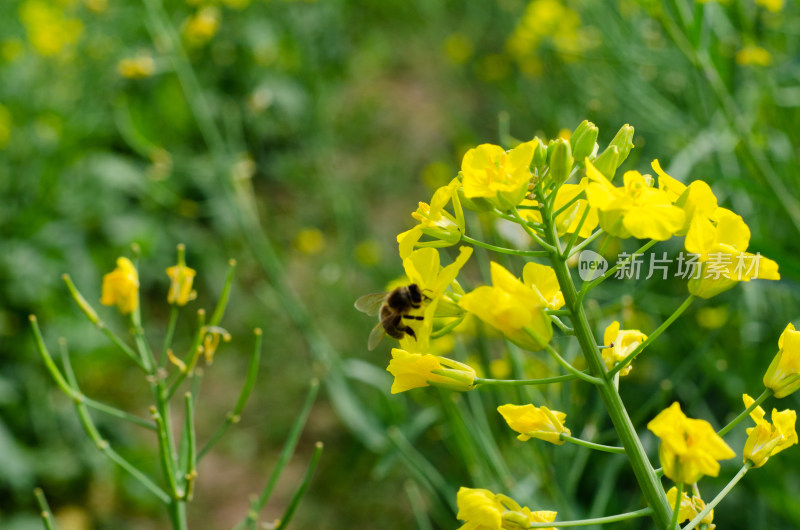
339,116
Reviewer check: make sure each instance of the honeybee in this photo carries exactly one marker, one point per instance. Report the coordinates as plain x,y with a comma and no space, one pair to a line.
394,309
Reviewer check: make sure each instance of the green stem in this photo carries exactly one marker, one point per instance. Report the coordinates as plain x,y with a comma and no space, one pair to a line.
444,330
173,319
572,201
677,508
592,445
586,242
653,336
571,369
586,287
643,470
525,382
286,453
165,455
287,515
191,448
222,303
45,511
721,495
597,520
235,415
574,237
502,250
533,235
759,400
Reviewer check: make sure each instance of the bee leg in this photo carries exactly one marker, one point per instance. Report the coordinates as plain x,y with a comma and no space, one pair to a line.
411,333
413,317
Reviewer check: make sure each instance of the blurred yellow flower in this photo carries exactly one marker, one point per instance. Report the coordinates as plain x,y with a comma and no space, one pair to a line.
753,56
546,20
49,30
720,243
435,221
202,26
137,67
498,175
98,6
458,48
513,308
772,5
211,341
180,283
621,343
310,241
535,422
121,287
690,507
783,374
689,448
635,209
767,439
483,510
416,370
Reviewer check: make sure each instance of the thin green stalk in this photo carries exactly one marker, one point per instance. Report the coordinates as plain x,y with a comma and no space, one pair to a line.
91,314
444,330
502,250
45,511
643,470
592,445
191,448
165,455
677,508
194,354
533,235
235,415
525,382
79,397
563,327
574,237
418,507
559,312
423,467
312,466
564,208
597,520
653,336
286,453
571,369
586,242
173,319
721,495
222,303
759,400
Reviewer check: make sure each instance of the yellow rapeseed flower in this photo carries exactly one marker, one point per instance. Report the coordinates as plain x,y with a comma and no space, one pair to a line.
535,422
498,175
720,243
542,279
767,439
783,374
513,308
753,56
635,209
121,287
695,199
483,510
202,26
772,5
415,370
690,507
689,448
180,284
621,343
435,221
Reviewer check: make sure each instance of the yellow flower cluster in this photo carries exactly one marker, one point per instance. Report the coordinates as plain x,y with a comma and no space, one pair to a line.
690,507
137,67
480,509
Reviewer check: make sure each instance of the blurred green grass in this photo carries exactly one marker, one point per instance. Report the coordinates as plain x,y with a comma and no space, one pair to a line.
340,115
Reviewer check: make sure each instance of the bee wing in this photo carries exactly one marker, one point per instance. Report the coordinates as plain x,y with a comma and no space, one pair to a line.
370,303
375,336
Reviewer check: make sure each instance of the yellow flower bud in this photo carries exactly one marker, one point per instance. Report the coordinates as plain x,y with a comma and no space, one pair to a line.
535,422
121,287
483,510
621,343
180,286
783,374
